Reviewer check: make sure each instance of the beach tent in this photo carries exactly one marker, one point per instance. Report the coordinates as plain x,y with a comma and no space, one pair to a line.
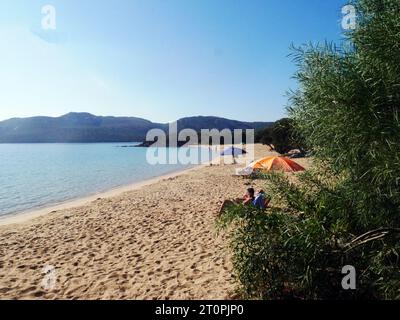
231,151
276,163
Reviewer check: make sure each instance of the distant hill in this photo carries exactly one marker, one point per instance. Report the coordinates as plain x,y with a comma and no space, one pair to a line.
86,127
198,123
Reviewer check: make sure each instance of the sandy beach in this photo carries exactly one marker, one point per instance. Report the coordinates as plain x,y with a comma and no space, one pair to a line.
151,241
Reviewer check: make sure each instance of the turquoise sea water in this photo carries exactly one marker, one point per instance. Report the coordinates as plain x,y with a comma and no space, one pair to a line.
36,175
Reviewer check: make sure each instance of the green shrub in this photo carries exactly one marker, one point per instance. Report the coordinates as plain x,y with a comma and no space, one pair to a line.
345,210
298,249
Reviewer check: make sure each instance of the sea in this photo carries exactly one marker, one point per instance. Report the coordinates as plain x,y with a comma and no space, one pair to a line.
33,176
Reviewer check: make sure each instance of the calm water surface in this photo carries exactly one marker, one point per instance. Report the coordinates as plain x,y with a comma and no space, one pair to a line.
36,175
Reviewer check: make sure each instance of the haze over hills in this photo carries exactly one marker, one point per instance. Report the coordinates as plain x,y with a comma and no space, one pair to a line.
86,127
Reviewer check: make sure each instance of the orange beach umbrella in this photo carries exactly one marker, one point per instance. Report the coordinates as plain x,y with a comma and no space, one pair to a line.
276,163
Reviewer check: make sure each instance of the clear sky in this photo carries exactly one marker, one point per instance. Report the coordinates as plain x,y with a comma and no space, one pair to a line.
157,59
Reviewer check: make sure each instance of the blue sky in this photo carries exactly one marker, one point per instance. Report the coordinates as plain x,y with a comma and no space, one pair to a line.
157,59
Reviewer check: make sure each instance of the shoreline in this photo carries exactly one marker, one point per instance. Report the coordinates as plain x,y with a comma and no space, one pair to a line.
26,216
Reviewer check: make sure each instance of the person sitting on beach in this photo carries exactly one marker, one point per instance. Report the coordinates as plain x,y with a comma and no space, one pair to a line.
249,197
246,200
262,200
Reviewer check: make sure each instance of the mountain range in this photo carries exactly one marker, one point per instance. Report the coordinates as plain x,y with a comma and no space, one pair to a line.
85,127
